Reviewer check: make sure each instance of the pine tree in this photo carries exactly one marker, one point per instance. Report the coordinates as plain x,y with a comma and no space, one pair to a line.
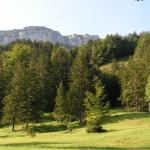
60,102
23,101
43,70
60,61
2,84
79,84
96,110
60,67
34,103
134,76
13,98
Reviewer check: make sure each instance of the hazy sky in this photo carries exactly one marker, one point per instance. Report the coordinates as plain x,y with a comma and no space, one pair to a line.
99,17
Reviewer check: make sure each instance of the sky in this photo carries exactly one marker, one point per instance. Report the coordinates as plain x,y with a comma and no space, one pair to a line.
98,17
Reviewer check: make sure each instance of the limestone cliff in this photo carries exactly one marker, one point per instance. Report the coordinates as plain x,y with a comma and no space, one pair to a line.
39,33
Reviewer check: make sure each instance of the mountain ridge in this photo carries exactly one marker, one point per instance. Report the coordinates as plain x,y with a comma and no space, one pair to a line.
41,33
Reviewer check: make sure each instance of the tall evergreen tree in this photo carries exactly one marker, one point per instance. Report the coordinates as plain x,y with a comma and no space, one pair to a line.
13,98
135,74
80,79
60,62
23,101
60,102
43,69
95,109
2,84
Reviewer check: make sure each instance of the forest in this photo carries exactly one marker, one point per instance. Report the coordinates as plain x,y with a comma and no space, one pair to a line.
41,77
53,94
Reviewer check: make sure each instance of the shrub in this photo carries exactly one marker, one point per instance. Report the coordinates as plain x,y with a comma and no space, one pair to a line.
94,129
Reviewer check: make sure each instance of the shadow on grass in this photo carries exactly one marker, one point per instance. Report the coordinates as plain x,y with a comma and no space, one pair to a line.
127,116
59,145
4,125
4,136
49,128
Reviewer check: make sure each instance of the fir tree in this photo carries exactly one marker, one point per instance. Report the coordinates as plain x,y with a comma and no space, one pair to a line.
80,79
96,110
60,102
12,101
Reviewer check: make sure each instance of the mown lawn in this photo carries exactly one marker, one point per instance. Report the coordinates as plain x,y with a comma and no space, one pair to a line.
125,131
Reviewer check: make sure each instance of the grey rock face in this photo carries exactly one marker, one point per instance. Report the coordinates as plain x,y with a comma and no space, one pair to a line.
38,33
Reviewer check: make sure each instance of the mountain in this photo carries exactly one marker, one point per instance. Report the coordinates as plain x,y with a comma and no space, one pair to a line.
40,33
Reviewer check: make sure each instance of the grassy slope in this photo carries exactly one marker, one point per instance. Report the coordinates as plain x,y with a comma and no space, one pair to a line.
126,131
108,67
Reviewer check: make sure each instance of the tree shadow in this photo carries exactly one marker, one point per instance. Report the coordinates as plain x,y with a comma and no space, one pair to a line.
4,136
59,145
49,128
4,125
43,128
127,116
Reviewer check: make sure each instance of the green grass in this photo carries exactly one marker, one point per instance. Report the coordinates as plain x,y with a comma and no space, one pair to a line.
125,131
108,67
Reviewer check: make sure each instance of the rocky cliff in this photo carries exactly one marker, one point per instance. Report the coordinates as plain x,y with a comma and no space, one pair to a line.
39,33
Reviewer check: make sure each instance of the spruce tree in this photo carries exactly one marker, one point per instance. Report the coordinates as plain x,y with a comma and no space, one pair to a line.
14,96
80,83
60,102
43,70
60,66
2,84
96,110
134,76
23,101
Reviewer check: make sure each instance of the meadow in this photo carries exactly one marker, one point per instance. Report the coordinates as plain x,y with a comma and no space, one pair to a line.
125,131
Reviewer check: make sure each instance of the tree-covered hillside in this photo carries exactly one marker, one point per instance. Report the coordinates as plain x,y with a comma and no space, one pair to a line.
38,77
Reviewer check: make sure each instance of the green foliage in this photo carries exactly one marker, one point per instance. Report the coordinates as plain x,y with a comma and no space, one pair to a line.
42,67
112,47
22,102
60,102
80,79
15,95
147,89
18,52
2,84
30,73
134,76
147,92
60,61
95,110
112,88
60,67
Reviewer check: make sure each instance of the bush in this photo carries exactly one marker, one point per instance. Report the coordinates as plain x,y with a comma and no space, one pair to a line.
94,129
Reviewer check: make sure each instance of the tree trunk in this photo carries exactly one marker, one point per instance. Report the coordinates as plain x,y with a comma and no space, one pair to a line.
128,106
27,125
13,124
81,117
70,118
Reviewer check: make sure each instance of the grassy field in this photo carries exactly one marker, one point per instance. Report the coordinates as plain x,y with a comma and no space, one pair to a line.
125,131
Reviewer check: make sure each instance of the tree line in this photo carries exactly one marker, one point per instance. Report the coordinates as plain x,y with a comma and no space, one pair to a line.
37,77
